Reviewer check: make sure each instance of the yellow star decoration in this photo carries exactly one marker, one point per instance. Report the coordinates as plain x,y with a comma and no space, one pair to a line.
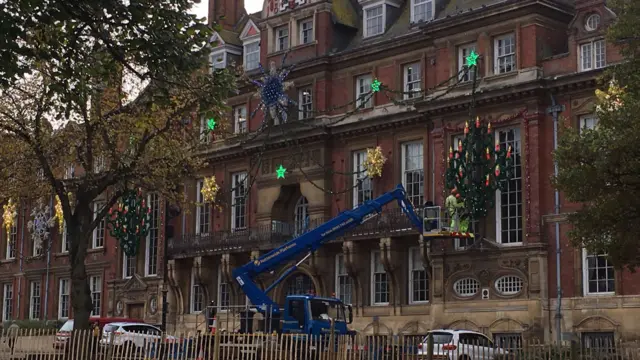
209,189
9,216
610,99
374,162
59,214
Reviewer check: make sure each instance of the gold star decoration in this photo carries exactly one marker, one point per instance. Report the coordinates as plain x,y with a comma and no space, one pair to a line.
375,162
59,214
9,216
209,189
610,100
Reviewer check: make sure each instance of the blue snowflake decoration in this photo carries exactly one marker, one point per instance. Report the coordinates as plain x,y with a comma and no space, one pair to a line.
271,90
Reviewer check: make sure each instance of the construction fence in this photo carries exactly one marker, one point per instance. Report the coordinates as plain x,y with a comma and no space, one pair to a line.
81,345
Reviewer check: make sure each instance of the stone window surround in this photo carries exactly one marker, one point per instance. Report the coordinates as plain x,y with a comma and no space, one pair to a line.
591,41
294,22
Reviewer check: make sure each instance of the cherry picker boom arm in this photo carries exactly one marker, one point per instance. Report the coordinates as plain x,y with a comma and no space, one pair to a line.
311,241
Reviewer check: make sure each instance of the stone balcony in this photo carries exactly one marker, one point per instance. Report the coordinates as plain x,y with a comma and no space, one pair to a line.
391,222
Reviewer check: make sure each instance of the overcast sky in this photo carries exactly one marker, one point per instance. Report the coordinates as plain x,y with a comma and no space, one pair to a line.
251,6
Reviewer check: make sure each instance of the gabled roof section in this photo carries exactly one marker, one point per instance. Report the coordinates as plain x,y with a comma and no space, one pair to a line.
250,30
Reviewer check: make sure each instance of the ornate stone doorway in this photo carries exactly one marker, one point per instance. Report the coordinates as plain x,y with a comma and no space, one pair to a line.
135,311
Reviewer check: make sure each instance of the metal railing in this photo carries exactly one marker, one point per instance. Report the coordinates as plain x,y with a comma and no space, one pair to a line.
219,345
389,222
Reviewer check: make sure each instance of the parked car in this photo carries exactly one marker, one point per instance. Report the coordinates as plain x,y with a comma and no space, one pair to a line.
132,336
451,344
63,334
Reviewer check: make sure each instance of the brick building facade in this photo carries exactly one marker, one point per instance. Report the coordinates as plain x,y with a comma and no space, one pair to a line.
534,54
36,280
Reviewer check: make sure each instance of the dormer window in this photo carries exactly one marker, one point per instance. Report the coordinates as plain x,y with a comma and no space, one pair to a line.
421,10
218,60
250,38
374,20
282,38
251,55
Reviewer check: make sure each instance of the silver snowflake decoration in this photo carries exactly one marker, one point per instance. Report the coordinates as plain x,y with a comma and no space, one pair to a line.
272,96
42,221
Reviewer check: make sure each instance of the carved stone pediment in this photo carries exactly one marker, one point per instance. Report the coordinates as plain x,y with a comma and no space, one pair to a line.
134,284
484,244
457,267
518,264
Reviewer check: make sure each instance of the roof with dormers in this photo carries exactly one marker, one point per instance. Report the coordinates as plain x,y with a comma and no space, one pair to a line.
232,37
400,25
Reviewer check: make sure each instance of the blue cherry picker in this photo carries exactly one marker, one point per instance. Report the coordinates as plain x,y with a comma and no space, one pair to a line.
309,314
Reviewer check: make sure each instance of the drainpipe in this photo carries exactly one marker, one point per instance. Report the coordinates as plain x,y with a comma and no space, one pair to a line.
554,110
46,283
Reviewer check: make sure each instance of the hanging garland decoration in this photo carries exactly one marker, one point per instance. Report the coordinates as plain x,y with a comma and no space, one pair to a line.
374,162
129,221
59,214
40,224
9,216
478,167
209,189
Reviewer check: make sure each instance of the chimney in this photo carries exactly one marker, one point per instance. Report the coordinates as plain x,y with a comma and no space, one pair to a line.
231,10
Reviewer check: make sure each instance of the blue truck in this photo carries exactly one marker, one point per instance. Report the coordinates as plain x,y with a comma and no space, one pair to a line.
309,316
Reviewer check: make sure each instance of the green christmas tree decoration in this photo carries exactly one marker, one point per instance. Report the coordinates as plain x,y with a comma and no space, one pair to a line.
477,167
129,221
211,124
375,86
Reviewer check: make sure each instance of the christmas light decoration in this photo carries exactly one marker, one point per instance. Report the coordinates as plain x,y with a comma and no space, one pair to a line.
472,59
211,124
374,162
59,215
483,170
611,99
129,221
281,171
40,224
375,85
271,91
209,189
9,216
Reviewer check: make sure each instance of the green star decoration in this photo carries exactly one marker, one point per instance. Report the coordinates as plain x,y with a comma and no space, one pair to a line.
375,86
211,124
472,59
281,171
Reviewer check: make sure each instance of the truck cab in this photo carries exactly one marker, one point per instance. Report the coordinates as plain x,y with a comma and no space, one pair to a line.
312,315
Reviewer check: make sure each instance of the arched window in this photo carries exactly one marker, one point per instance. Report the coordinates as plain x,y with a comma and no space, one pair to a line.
301,215
300,284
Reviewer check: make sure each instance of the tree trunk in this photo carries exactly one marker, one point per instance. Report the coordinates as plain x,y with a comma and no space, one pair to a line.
80,292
